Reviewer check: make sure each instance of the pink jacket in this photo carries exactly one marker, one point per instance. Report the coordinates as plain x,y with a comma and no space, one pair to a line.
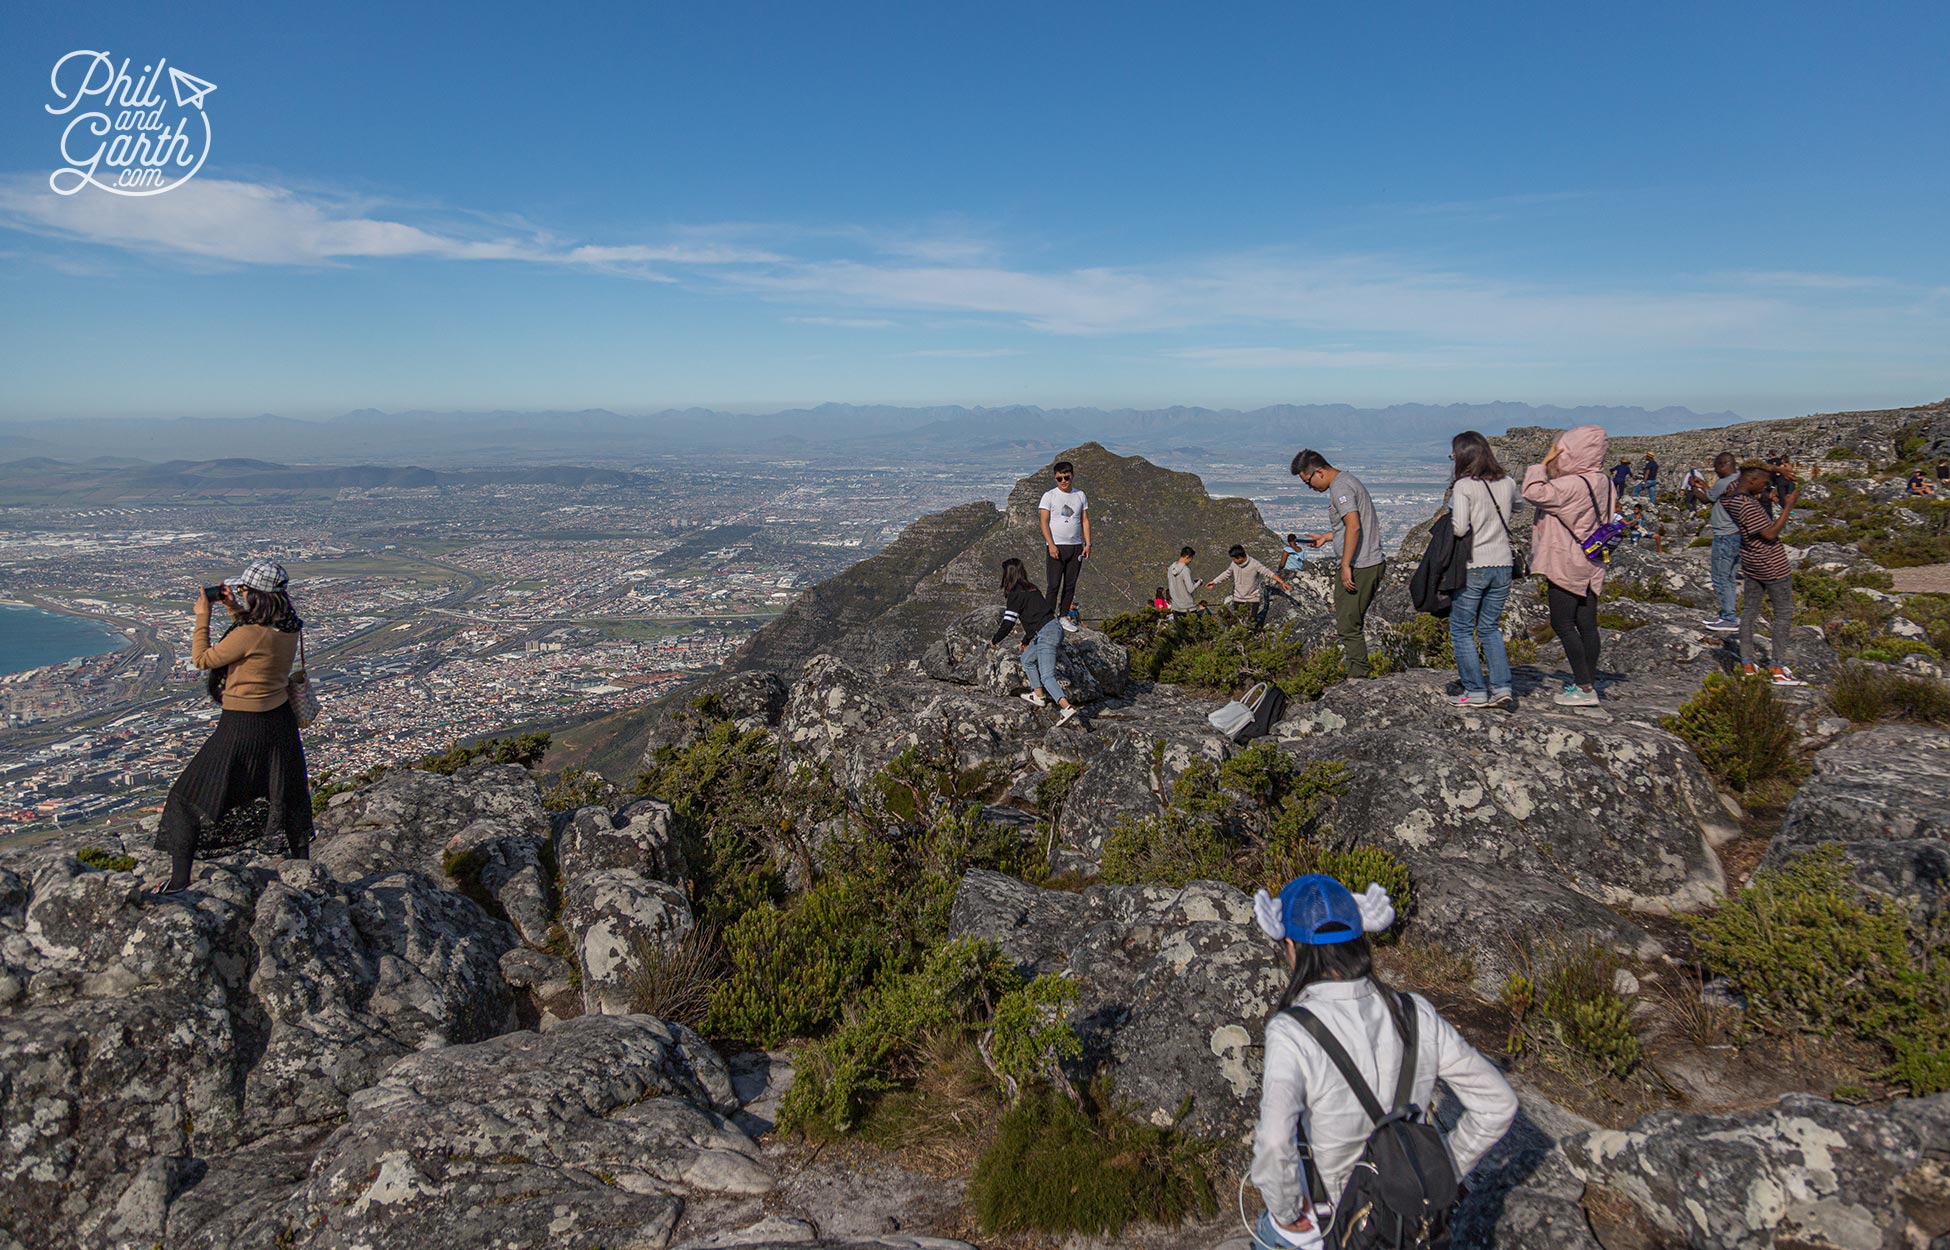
1564,514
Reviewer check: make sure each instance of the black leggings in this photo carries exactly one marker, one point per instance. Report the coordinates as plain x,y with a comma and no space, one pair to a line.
1575,618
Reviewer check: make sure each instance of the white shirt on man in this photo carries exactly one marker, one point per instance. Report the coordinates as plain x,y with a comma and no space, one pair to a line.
1065,508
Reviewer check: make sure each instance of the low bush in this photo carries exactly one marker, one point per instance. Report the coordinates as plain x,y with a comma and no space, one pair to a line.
1062,1167
967,987
104,861
576,787
1932,612
1811,956
1619,621
1743,735
674,982
1647,591
526,750
1421,641
1574,1004
1223,654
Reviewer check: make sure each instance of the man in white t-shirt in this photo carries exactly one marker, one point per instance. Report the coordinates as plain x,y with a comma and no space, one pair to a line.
1066,535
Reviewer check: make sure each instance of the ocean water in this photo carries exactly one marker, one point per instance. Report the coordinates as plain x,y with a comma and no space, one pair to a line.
31,638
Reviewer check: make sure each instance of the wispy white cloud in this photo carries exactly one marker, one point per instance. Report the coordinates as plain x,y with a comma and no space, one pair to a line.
1302,358
846,323
961,353
1792,279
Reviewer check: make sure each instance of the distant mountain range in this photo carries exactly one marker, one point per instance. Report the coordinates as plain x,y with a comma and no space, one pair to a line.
107,479
853,432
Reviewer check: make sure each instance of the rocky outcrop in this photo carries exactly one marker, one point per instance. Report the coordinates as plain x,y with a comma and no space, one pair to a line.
588,1135
749,700
1806,1172
1884,795
620,921
1089,666
136,1032
1549,821
1806,439
888,609
1175,985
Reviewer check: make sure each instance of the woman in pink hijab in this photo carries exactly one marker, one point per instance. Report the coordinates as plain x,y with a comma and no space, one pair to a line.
1573,497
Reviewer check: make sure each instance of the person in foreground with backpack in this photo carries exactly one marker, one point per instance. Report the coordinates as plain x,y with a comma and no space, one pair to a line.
1369,1173
1570,541
1482,499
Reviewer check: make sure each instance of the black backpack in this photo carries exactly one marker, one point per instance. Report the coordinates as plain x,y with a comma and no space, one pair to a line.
1443,571
1404,1185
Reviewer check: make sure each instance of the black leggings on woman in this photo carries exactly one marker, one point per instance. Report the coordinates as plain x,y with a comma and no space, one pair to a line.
1575,618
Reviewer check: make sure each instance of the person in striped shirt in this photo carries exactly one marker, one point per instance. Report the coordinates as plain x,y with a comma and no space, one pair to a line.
1765,562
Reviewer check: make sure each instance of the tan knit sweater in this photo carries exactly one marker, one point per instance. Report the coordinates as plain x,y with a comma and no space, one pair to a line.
258,657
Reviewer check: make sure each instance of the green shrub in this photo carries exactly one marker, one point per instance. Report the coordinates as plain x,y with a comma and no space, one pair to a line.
1865,694
1586,1012
1618,621
1060,1168
526,750
1053,791
1030,1035
1222,654
1932,612
1811,956
1704,540
836,1079
1652,591
1421,641
1843,453
792,970
1169,848
104,861
1744,736
577,787
463,868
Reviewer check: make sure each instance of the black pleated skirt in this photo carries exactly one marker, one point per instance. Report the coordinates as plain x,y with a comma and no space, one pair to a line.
246,787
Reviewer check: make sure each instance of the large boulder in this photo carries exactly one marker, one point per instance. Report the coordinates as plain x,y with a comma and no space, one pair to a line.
1803,1173
141,1031
619,921
1884,795
588,1135
1130,762
1561,816
1176,984
638,836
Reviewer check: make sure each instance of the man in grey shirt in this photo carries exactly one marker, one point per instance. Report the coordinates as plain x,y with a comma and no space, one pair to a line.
1726,546
1362,560
1182,586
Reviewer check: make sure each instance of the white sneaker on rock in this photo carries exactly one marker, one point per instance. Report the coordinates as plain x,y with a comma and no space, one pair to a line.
1035,698
1069,626
1069,714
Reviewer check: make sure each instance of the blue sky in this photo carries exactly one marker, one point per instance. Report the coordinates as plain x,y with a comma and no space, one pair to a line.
638,206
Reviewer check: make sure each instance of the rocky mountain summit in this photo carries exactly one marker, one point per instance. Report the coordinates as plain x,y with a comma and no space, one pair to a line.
870,931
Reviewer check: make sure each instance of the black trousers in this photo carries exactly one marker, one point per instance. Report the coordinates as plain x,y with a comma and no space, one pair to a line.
1575,618
1062,571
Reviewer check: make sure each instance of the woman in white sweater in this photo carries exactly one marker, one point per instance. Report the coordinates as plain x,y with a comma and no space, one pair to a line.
1481,500
1323,932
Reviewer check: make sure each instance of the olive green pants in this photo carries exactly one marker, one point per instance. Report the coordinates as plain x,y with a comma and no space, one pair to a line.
1351,613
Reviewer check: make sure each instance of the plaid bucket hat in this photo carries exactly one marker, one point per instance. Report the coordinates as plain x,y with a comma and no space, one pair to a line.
264,575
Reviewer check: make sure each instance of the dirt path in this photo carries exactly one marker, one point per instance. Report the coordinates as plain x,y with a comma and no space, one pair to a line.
1930,577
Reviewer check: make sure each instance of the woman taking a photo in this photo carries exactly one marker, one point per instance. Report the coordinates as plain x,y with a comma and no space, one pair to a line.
254,757
1482,499
1573,498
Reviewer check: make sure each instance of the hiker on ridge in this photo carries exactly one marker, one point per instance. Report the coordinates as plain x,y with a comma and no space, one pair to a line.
1065,514
1726,546
1249,578
1340,1038
1362,559
1181,585
1769,573
1567,489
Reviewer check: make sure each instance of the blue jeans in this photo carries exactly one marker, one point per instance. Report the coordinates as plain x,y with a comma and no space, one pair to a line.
1726,575
1474,616
1039,660
1265,1237
1650,490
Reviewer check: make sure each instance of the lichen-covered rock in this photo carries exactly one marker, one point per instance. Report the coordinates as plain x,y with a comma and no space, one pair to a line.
1805,1172
618,919
750,700
500,864
1175,984
1129,764
1884,795
263,997
1556,815
637,836
407,817
588,1135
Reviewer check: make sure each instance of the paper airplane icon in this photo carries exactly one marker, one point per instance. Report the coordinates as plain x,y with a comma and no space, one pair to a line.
189,89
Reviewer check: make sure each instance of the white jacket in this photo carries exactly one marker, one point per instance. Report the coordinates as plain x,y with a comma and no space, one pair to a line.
1303,1090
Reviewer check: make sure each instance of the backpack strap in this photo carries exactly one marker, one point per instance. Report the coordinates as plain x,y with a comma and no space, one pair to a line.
1338,1056
1407,1020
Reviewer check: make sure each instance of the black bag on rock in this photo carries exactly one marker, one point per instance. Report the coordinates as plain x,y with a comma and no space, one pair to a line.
1404,1186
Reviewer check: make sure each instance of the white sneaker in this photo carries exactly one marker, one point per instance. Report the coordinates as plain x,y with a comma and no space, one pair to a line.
1069,626
1069,714
1784,677
1035,698
1575,696
1721,625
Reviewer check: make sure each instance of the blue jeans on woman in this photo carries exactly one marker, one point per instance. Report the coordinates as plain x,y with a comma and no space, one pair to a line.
1039,660
1475,615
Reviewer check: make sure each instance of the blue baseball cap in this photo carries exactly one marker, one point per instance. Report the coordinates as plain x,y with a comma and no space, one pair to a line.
1317,910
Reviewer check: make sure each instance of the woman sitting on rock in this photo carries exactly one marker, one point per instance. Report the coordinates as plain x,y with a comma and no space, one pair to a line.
1336,1015
254,757
1041,634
